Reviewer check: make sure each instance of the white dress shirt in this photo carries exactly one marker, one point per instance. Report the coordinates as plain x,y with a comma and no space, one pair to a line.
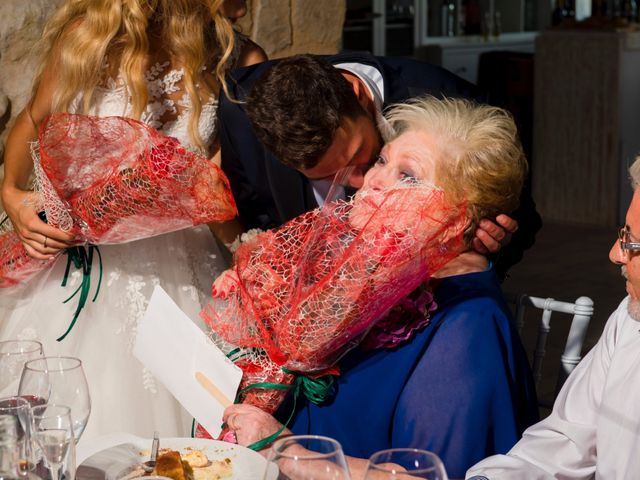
594,429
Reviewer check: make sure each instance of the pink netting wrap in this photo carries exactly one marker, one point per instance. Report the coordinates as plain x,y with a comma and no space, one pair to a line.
15,264
115,180
309,291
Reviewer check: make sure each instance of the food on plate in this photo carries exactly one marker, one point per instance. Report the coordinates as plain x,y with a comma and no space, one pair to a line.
195,458
170,464
216,470
190,464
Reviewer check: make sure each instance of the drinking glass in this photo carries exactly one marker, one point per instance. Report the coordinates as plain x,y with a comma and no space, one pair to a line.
19,409
307,457
405,464
13,355
8,447
58,380
53,432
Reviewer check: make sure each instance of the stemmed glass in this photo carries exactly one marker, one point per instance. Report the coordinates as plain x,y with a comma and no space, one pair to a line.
13,355
19,409
53,432
308,457
405,464
8,448
58,380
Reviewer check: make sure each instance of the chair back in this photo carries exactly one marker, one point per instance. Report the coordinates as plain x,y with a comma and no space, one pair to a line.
581,311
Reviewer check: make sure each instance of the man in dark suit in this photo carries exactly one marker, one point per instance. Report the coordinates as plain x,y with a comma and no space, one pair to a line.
305,118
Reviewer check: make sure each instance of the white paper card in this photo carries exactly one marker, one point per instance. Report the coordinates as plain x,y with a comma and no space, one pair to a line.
173,348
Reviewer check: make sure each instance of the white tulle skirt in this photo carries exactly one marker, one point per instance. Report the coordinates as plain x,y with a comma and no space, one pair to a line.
125,396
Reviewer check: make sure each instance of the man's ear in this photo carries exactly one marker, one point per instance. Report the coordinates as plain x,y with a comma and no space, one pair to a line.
361,94
359,90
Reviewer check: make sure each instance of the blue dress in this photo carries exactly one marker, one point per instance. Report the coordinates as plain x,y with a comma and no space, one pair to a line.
461,387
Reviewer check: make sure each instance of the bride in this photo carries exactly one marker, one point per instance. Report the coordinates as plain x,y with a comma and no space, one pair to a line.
162,62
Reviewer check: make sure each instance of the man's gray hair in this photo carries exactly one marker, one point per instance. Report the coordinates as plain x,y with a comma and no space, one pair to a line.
634,173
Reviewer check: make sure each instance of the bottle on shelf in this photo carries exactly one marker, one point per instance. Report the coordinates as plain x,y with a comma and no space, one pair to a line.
473,17
559,13
616,8
462,18
564,12
497,24
448,18
631,11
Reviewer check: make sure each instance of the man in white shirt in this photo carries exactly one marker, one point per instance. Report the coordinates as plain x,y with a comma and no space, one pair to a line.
594,429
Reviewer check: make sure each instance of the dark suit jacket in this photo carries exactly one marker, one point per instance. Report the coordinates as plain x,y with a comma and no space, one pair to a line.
269,193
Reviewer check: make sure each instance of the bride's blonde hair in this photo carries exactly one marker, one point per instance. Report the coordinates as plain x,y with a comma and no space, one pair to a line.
82,34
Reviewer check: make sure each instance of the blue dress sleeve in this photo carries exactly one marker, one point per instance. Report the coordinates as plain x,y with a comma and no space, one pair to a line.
460,400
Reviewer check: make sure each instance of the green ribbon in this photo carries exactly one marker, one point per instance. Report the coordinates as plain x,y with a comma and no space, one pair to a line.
81,258
237,353
317,391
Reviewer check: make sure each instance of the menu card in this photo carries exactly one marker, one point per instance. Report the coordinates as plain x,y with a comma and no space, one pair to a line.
186,361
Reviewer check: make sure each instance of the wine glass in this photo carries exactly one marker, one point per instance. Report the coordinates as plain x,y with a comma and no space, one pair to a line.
53,432
58,380
405,464
13,355
19,409
307,457
8,447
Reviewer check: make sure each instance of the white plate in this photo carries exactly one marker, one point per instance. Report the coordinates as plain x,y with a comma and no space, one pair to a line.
110,463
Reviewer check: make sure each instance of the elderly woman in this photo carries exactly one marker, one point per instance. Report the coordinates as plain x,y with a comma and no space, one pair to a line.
460,385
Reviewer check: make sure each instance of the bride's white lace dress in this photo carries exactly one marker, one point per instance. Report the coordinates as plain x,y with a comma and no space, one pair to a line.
124,395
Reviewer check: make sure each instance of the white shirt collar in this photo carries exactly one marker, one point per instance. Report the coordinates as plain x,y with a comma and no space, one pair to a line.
374,82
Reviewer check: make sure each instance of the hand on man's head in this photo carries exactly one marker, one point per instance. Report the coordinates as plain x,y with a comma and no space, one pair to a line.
491,236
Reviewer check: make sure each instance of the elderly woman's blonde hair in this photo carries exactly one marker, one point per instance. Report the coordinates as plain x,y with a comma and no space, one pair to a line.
483,165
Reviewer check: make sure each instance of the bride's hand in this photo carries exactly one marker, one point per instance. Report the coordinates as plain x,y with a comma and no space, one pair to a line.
41,241
225,284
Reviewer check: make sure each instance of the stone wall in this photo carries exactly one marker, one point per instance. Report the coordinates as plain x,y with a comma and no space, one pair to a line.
281,27
288,27
21,23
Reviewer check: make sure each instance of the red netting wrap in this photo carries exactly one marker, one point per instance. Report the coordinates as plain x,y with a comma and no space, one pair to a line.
115,180
15,264
309,291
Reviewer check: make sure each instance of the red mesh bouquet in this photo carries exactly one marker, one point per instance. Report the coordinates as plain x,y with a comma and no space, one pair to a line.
302,295
15,264
115,180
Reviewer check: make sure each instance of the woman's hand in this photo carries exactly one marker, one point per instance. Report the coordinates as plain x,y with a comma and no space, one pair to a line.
250,424
492,236
226,283
41,241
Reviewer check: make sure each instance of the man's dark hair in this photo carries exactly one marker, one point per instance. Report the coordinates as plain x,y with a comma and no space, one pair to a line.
297,105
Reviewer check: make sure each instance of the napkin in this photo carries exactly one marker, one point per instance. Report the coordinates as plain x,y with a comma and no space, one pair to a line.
174,349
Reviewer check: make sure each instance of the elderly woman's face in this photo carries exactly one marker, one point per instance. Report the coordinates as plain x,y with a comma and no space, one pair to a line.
410,157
